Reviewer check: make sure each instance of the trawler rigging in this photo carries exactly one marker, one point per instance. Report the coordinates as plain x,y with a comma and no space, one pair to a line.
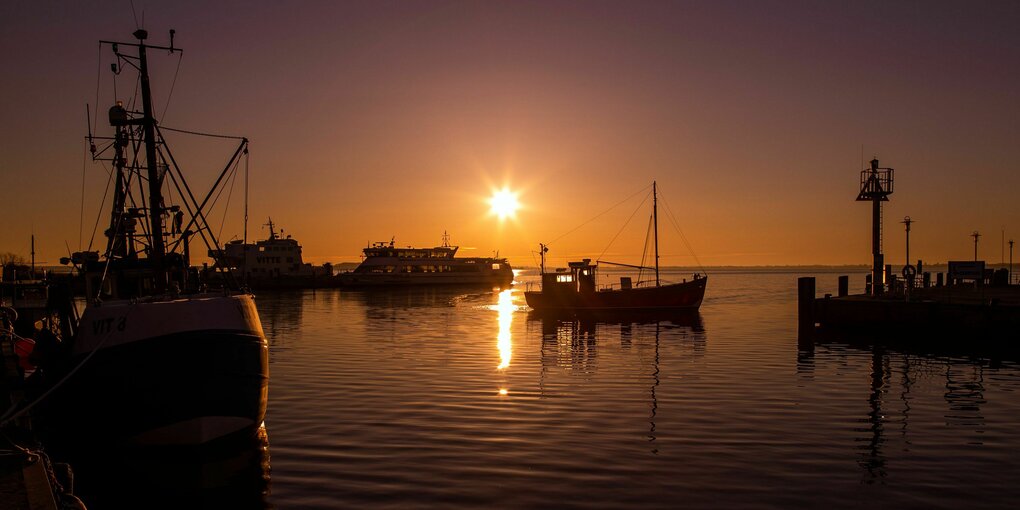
197,362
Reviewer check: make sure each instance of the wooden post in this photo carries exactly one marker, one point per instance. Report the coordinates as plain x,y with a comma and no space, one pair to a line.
844,286
806,303
938,280
926,282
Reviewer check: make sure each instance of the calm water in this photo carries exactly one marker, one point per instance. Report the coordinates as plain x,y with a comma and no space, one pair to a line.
440,398
429,398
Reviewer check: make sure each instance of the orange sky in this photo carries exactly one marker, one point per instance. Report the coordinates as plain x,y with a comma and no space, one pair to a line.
370,120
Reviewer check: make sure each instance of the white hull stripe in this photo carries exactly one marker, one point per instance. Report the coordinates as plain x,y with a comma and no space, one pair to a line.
122,322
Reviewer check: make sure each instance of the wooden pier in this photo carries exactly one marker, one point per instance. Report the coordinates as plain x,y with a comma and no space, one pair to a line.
935,310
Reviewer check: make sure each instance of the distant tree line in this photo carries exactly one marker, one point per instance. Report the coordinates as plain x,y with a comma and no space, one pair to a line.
12,263
12,259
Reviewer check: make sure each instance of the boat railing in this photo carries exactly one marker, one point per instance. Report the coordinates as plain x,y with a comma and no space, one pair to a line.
635,285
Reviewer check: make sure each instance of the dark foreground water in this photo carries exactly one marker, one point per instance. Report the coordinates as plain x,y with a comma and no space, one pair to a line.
445,398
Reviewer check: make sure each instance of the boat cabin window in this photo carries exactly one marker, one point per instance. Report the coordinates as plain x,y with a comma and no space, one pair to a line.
495,267
564,278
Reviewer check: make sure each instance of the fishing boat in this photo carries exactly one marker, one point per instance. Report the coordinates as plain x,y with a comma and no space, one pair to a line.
387,265
156,358
575,288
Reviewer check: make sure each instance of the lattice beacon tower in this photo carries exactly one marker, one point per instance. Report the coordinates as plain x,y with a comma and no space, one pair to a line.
876,186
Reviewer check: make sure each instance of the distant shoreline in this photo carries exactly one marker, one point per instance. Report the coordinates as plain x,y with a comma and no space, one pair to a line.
809,268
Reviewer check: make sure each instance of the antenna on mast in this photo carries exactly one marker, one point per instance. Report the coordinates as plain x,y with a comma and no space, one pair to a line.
655,221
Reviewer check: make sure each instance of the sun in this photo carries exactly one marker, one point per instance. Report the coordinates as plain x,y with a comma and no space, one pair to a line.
504,204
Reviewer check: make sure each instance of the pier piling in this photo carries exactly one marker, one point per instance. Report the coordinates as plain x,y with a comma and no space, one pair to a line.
806,304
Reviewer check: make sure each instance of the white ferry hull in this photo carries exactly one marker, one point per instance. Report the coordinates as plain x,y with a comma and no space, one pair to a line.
495,279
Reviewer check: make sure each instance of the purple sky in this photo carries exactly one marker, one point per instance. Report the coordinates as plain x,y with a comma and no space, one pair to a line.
377,119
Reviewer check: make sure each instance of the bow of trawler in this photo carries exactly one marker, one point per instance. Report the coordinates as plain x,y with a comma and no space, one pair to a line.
166,371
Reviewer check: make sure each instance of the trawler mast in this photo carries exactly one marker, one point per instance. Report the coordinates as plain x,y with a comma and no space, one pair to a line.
119,119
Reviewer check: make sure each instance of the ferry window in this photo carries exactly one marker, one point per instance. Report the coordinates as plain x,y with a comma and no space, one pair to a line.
495,267
564,278
585,272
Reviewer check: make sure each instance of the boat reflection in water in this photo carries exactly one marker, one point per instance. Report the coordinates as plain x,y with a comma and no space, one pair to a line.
231,473
571,342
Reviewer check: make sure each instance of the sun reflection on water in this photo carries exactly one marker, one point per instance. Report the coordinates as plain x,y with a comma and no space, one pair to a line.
505,307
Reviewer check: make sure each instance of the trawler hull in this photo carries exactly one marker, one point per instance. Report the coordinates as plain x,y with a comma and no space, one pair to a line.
177,372
677,296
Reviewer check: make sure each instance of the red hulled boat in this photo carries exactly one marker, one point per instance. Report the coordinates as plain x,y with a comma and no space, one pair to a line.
575,289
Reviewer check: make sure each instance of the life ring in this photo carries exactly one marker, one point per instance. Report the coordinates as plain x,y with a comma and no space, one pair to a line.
909,271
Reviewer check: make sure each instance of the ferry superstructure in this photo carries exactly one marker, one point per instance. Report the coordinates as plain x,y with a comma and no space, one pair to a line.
386,264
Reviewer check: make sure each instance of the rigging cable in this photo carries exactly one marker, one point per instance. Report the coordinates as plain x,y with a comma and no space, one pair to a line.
134,14
599,215
101,205
226,206
644,248
180,56
219,193
13,413
683,237
213,135
623,227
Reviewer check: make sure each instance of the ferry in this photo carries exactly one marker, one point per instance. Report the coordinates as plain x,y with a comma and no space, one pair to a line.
388,265
271,263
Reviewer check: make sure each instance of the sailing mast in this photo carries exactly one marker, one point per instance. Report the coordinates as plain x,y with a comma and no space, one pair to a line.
655,223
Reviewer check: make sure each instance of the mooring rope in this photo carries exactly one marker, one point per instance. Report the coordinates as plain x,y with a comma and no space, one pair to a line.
11,415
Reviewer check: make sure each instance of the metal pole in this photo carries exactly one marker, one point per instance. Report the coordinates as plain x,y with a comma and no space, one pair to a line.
1011,260
975,235
907,280
157,248
907,221
877,280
